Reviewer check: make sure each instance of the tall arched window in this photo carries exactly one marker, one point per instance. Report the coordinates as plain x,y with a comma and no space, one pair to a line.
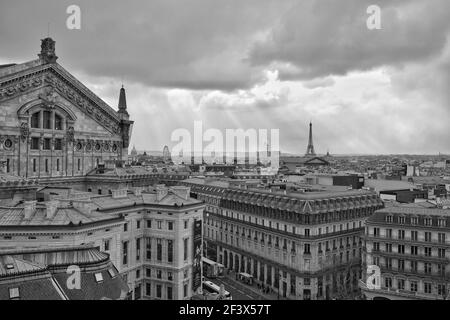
35,117
58,122
47,120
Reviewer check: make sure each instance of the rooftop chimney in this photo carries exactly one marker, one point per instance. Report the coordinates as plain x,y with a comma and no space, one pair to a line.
137,191
29,209
85,206
161,191
51,208
119,193
181,191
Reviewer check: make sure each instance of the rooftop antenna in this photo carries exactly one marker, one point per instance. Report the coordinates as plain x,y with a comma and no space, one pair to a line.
48,29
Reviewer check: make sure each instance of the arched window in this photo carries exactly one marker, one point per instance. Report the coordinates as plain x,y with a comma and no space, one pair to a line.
35,117
58,122
47,120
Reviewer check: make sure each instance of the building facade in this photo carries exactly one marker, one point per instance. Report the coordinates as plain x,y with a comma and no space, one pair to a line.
410,246
148,233
303,246
53,126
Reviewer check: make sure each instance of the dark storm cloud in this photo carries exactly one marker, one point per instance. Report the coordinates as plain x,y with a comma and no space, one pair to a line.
199,44
322,37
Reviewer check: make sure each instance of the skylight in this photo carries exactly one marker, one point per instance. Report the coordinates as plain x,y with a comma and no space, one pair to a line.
99,277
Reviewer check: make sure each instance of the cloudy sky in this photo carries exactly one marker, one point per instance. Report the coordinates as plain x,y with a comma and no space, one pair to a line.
263,64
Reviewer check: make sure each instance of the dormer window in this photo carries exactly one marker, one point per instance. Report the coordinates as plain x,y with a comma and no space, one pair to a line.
414,220
14,293
98,277
111,272
389,218
442,222
428,221
401,220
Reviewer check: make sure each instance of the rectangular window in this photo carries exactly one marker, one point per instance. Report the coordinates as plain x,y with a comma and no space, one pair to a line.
441,290
401,265
307,248
185,249
148,290
388,233
414,250
427,251
401,234
427,268
34,165
148,254
376,232
388,282
58,144
138,249
159,224
169,293
158,250
169,250
170,225
401,284
57,164
46,165
158,291
414,235
34,144
125,252
413,286
47,144
441,237
79,164
427,287
125,227
388,247
149,223
106,245
428,236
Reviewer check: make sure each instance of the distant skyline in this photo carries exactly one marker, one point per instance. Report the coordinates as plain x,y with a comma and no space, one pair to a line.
263,64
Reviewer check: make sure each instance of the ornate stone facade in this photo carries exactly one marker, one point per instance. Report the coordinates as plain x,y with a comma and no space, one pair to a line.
51,125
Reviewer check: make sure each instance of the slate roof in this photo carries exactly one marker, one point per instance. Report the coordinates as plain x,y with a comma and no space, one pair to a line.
64,216
41,274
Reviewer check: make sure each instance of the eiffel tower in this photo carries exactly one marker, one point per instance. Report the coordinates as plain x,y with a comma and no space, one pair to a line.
310,149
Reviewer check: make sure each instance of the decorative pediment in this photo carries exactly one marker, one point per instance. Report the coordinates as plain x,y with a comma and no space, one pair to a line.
60,82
